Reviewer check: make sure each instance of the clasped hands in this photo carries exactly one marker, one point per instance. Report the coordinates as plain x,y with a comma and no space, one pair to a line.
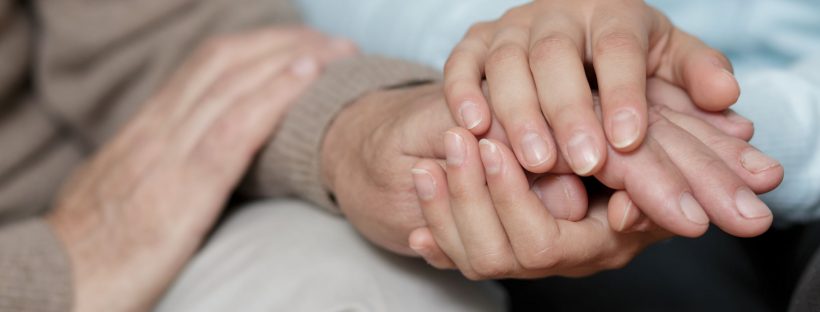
502,196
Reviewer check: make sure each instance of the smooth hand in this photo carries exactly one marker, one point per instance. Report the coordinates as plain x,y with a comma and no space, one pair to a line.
543,59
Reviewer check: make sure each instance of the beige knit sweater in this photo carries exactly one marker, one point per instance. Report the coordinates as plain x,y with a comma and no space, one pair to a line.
72,71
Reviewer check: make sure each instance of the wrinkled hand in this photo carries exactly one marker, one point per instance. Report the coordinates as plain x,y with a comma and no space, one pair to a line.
534,60
133,215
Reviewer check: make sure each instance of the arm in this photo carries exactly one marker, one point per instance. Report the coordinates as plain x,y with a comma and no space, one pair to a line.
423,31
290,163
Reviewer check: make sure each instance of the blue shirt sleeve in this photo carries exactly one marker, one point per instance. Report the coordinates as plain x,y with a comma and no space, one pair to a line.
774,45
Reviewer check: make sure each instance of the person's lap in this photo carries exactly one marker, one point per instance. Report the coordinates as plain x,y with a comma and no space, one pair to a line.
287,255
716,272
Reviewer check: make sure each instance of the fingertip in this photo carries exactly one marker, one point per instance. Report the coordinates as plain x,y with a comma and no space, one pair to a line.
626,129
622,213
422,242
305,67
344,46
711,83
585,153
564,196
741,127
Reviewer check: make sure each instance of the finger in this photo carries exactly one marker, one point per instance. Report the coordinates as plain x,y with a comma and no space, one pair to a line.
656,184
529,226
463,74
482,234
625,217
564,196
421,240
227,53
660,92
515,102
432,190
759,171
622,213
590,245
705,73
619,54
565,96
228,144
730,204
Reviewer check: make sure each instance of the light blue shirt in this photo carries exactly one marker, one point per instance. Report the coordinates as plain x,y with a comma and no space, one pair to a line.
773,44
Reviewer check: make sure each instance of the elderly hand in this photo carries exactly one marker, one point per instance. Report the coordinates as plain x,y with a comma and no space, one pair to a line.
535,61
134,214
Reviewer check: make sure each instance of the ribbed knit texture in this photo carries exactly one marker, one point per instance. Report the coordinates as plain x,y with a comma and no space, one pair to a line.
290,164
93,65
34,273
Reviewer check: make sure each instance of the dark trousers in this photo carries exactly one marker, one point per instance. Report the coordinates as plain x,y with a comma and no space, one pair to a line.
716,272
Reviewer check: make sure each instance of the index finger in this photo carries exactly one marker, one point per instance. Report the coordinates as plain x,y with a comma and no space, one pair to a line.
619,46
463,73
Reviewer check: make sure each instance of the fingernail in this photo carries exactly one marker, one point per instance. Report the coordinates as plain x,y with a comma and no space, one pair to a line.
583,154
625,128
627,211
490,156
749,205
535,149
455,149
304,67
425,185
470,114
727,73
735,117
755,162
692,210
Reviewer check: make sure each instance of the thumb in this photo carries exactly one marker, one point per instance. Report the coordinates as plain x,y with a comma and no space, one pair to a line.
705,73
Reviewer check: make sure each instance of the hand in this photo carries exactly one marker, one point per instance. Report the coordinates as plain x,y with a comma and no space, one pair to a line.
376,141
372,145
715,190
502,230
484,219
133,215
534,60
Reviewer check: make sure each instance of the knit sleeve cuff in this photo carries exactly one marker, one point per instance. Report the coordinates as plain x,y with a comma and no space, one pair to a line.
34,271
290,163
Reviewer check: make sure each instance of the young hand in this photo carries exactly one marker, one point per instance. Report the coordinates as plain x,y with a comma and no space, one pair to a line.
536,59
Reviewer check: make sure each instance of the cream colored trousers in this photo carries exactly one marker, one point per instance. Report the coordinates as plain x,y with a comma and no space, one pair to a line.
284,255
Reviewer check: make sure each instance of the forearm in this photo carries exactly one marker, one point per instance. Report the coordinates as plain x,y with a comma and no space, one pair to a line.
290,163
35,273
423,31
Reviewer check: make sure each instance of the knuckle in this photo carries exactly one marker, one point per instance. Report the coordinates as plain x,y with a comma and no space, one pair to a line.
506,54
457,58
472,275
478,29
547,47
617,263
617,41
460,193
558,111
491,265
711,163
621,260
453,88
541,258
